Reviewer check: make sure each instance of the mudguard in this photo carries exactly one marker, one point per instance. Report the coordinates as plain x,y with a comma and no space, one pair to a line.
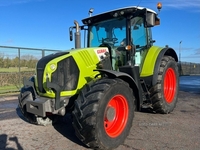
127,78
117,74
152,62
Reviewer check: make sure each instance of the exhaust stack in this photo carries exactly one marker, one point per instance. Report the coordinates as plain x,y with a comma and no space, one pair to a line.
77,35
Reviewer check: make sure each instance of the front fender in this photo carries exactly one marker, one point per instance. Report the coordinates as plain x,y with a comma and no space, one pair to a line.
116,74
127,78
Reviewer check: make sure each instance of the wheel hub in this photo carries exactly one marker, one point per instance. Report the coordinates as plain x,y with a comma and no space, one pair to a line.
110,113
169,85
116,116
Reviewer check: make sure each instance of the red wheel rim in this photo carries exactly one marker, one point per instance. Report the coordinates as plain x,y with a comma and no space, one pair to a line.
116,116
169,85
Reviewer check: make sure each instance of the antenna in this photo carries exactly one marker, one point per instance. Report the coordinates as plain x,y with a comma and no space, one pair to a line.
139,3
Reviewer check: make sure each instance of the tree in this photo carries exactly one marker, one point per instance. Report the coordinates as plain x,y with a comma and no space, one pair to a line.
28,61
1,60
15,62
7,62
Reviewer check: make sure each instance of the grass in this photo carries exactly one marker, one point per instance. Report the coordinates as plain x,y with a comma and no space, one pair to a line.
9,94
8,89
16,69
10,77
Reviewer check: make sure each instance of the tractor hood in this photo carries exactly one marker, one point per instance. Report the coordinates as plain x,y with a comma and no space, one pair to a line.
70,70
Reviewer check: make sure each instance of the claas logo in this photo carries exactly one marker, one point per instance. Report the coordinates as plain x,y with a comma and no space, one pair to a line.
100,51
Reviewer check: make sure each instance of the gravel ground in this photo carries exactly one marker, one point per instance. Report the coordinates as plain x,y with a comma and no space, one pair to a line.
179,130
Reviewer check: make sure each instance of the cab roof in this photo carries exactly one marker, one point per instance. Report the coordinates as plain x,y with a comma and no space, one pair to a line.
125,11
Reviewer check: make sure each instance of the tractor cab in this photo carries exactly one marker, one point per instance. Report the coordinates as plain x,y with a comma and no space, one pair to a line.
126,32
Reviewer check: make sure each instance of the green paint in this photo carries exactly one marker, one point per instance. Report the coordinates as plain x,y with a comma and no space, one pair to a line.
149,61
86,60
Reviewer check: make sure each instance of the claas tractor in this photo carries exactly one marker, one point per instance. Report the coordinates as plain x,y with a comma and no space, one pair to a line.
118,71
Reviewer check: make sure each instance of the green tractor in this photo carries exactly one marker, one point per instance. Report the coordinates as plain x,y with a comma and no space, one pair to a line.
102,84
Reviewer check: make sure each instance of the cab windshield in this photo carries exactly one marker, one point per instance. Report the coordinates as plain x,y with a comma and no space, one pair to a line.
111,32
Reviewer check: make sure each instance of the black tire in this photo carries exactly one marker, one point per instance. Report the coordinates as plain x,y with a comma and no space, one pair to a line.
96,110
27,91
164,94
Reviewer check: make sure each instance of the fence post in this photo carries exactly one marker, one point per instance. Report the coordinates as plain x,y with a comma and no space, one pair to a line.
19,66
43,53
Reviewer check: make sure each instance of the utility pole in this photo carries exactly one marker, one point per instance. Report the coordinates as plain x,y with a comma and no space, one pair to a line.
180,51
180,67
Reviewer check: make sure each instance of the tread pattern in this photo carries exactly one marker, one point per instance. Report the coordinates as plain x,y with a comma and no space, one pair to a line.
86,107
157,97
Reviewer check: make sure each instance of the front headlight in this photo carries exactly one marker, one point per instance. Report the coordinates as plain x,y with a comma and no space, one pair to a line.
53,67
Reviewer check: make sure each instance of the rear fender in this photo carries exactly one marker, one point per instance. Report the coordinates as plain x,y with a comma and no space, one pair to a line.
152,61
165,51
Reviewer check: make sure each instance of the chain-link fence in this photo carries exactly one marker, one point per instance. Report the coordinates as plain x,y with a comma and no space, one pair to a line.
188,68
17,63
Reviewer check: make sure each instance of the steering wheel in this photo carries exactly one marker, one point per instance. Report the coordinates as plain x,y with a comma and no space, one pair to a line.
110,40
122,45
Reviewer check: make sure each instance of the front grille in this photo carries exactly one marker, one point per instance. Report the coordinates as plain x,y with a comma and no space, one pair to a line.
66,74
40,72
41,66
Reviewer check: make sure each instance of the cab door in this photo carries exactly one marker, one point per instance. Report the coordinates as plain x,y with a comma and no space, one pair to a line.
139,36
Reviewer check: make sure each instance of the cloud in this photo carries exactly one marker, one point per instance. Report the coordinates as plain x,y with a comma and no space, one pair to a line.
10,41
186,48
182,4
197,51
185,5
195,54
14,2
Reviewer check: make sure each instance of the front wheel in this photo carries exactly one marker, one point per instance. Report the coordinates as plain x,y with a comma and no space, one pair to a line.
103,113
164,94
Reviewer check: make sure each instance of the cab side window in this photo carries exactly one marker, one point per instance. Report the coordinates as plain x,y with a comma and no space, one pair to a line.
138,32
139,39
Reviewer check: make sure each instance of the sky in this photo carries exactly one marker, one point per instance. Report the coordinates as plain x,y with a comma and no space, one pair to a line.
45,23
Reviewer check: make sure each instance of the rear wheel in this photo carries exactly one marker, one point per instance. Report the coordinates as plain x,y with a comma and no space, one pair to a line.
164,94
103,113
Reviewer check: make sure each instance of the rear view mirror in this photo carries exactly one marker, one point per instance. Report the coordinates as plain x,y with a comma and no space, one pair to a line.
150,19
71,35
